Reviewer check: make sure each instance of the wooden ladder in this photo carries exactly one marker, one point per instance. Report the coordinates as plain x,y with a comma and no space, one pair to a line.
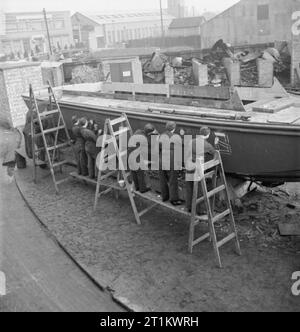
53,152
214,170
111,136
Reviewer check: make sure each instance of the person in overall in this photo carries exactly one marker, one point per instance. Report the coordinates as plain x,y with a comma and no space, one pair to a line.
88,132
139,176
198,148
47,123
79,146
168,176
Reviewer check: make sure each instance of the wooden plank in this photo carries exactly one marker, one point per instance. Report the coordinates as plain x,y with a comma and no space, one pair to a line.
208,92
159,89
287,116
274,106
256,93
292,229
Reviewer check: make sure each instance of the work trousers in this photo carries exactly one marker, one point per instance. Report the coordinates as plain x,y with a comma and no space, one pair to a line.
169,185
139,179
28,144
81,159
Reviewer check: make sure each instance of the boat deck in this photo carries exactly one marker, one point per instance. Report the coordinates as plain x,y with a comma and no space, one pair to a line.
288,115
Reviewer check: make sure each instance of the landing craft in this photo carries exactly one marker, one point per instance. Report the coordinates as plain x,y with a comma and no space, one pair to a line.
258,142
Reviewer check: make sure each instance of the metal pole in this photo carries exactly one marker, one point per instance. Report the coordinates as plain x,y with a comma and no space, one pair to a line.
48,34
162,23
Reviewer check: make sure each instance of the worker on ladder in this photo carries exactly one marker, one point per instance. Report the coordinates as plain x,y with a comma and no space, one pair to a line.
198,147
79,146
90,133
168,178
139,176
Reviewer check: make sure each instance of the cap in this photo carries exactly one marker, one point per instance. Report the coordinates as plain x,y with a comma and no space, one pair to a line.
171,125
149,129
205,131
82,122
74,119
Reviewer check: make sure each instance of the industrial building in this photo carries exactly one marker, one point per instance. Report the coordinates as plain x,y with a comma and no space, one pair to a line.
104,31
27,32
187,26
251,22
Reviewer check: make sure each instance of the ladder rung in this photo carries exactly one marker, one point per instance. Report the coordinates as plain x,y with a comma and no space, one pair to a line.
216,191
44,114
61,181
226,240
108,175
201,239
119,156
211,164
211,193
117,121
142,213
61,163
221,216
59,146
122,131
51,130
210,174
110,140
105,192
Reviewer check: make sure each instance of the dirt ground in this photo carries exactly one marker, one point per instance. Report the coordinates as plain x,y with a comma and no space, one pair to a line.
40,277
148,267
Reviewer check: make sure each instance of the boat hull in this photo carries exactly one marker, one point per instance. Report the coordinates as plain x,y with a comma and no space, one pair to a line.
258,152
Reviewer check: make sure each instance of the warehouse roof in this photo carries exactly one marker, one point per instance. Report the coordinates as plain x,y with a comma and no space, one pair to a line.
101,19
187,22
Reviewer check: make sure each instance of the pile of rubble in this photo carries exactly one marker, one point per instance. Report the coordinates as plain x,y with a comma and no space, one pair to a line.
86,74
153,69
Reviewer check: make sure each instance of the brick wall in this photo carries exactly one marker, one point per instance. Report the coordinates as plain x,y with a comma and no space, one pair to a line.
17,79
5,116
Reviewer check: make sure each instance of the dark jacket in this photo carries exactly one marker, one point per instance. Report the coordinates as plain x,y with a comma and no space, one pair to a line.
167,152
79,140
192,153
90,139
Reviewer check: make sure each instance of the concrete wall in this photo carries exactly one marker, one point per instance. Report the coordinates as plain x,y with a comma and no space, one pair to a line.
52,72
240,25
200,73
15,80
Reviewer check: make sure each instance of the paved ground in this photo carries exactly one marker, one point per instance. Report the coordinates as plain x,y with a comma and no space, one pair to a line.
40,276
148,266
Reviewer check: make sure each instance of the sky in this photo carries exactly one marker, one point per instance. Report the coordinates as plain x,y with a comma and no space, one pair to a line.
104,5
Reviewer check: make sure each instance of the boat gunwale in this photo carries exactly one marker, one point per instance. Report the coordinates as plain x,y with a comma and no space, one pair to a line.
233,125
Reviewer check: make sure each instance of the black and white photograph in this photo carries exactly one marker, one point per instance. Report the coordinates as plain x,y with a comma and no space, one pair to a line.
149,159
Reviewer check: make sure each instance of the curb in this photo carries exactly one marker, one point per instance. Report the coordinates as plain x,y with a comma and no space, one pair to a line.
118,300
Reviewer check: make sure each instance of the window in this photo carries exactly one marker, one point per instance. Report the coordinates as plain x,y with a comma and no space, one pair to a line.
263,12
59,25
100,42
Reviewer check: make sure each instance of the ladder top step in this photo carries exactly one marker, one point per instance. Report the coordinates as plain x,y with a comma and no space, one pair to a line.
118,120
